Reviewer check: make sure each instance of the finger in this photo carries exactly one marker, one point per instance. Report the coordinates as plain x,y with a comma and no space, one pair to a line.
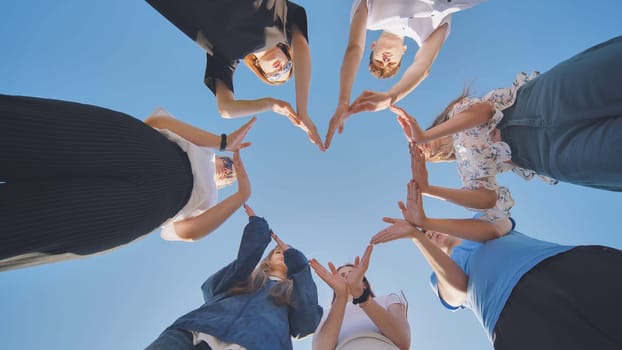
401,205
367,254
249,210
389,220
279,242
332,268
357,261
244,145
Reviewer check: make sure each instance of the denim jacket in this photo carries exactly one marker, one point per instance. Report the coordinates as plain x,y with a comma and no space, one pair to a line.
253,320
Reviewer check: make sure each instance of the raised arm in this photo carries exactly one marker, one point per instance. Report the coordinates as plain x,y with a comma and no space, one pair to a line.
199,136
480,198
229,107
304,313
327,334
302,77
255,239
197,227
349,67
415,74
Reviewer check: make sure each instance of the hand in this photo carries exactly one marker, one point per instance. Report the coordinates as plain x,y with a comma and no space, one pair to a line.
249,211
234,140
244,185
279,242
371,101
355,278
418,168
411,128
332,278
413,210
336,122
399,229
306,124
283,108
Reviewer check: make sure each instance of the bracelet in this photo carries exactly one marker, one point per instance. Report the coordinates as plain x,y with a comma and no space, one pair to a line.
363,298
223,142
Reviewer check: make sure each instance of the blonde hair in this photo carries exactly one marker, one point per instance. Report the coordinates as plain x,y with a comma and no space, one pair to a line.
281,292
251,62
446,153
382,72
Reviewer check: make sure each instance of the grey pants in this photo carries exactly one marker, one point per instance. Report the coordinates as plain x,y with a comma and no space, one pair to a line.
567,123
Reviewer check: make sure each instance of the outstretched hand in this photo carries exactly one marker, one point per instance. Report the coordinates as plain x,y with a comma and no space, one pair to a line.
399,229
337,122
413,210
412,130
279,242
355,278
249,211
371,101
307,125
418,168
244,184
331,278
236,138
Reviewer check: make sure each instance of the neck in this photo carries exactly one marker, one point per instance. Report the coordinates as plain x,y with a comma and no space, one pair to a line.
391,36
279,274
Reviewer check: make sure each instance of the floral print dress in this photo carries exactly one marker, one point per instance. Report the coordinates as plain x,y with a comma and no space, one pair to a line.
479,158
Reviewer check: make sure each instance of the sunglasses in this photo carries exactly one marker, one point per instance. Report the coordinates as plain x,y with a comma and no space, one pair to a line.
280,74
228,163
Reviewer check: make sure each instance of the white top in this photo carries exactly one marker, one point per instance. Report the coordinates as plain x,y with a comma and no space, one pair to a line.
416,19
479,158
356,322
204,192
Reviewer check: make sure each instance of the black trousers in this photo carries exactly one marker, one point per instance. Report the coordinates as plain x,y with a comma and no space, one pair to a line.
80,179
569,301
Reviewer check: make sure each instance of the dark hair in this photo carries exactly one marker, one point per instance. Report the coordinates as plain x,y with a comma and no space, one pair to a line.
251,62
382,72
365,282
446,155
281,292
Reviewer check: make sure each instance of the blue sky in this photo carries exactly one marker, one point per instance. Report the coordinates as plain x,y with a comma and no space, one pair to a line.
123,55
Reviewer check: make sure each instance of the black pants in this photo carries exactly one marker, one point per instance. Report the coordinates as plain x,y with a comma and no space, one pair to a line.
569,301
80,179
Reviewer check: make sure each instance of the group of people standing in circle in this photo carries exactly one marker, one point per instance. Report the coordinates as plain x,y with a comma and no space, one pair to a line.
80,179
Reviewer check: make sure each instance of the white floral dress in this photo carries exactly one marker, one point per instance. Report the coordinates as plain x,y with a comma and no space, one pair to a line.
479,158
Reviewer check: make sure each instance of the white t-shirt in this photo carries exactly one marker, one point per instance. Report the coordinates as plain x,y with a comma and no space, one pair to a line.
204,192
356,322
416,19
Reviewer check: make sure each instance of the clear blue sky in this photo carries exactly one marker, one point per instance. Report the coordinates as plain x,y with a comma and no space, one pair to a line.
123,55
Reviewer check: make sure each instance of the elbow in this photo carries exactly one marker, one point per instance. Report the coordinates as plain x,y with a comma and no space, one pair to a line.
225,112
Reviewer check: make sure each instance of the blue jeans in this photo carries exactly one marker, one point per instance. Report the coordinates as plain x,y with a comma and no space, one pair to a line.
176,339
567,123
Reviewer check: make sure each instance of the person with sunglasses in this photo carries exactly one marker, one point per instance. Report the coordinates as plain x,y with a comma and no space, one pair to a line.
427,22
269,36
78,179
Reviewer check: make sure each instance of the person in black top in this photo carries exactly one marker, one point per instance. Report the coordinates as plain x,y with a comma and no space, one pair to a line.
270,36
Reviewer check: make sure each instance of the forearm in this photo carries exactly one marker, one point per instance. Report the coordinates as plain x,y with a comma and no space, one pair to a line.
471,229
325,338
412,77
480,198
195,228
452,281
302,71
191,133
477,114
349,67
391,326
240,108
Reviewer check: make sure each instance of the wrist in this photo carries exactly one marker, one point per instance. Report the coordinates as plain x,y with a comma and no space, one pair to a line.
363,298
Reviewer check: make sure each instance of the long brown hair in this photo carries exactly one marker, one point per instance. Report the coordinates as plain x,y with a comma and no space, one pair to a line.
446,153
281,292
251,62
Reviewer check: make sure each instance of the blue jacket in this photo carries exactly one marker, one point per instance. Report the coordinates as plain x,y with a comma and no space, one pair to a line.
254,320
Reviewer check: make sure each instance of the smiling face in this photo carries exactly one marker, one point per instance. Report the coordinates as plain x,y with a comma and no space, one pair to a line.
438,150
277,260
443,240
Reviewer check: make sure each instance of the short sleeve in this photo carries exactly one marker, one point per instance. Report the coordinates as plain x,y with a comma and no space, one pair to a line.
217,68
168,232
434,285
296,16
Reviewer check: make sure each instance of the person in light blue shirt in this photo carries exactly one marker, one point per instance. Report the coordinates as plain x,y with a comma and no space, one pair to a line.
527,293
251,304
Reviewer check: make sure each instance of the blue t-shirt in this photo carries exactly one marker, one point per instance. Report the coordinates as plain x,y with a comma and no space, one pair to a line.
494,268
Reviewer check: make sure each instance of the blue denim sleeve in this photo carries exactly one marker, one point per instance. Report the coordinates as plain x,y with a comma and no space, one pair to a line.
255,239
304,313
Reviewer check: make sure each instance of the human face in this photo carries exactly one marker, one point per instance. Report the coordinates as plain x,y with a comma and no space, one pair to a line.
344,271
277,260
275,64
436,146
388,50
224,167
